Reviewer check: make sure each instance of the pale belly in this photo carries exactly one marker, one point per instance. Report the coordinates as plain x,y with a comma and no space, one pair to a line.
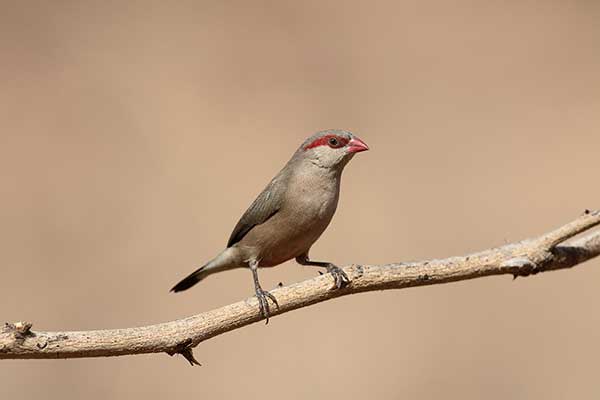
288,234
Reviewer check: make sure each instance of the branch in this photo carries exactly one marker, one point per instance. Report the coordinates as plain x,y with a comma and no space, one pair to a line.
545,253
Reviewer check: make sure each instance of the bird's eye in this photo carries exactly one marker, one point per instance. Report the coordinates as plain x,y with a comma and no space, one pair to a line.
333,142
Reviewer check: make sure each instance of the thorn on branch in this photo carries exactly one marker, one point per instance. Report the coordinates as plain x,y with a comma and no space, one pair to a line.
185,349
189,355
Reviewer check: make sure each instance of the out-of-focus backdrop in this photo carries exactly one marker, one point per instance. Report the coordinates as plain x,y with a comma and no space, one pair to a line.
134,134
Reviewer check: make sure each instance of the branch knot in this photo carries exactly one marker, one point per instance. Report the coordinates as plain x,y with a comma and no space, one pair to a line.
20,330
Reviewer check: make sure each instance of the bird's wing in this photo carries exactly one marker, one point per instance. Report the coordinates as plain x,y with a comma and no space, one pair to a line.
267,204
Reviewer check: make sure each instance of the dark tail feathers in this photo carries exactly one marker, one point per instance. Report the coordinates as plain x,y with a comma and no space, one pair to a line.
189,281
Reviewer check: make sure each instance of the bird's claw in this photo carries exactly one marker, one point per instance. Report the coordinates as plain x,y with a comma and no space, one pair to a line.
263,302
339,276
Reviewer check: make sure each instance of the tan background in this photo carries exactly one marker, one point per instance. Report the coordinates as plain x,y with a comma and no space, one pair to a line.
134,134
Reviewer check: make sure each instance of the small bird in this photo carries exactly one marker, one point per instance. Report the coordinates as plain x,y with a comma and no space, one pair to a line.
289,215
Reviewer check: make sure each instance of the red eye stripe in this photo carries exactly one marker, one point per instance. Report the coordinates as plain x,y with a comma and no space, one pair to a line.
324,141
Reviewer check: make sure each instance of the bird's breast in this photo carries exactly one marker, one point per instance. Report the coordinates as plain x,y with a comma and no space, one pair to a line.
313,197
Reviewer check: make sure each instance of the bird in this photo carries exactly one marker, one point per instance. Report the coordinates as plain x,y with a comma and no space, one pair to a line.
289,215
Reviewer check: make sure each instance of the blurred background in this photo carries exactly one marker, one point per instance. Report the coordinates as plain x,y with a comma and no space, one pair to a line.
133,135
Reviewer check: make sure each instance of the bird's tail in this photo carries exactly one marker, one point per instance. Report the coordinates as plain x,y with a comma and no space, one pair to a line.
190,280
220,263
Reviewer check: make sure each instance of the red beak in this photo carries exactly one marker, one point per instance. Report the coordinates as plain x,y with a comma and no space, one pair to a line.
356,145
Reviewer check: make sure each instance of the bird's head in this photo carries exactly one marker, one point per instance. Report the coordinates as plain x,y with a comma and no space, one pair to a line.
332,148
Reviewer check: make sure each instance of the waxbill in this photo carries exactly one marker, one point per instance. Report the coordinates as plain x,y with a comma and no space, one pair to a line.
289,215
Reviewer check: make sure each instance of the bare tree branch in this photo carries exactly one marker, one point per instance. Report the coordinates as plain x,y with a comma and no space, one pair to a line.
545,253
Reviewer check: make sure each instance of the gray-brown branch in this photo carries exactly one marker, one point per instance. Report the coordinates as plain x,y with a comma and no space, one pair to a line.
548,252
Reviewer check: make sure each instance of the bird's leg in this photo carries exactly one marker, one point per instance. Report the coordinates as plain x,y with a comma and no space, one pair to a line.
262,295
339,276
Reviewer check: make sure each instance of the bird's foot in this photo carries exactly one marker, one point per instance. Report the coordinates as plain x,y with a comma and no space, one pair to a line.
263,302
339,276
